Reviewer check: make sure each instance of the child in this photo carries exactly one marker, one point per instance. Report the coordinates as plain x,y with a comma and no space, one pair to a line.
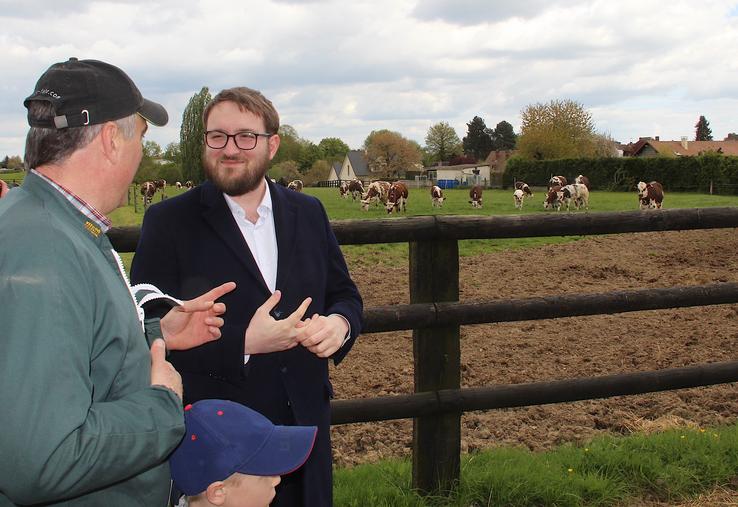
233,456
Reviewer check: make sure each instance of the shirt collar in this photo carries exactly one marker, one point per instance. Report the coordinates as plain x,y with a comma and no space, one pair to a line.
86,209
264,209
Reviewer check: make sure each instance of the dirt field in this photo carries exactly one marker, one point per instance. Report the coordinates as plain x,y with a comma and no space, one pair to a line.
381,364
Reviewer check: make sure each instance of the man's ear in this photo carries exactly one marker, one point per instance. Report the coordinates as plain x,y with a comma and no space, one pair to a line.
216,493
110,138
273,145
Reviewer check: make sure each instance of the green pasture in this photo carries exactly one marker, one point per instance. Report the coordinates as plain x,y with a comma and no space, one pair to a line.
495,202
670,466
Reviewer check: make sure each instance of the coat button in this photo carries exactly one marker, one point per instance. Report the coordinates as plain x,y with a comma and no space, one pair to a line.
283,369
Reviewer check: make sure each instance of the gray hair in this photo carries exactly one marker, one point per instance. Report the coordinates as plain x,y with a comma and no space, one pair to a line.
50,146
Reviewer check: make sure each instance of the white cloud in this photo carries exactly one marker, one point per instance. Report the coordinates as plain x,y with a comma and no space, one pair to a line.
343,69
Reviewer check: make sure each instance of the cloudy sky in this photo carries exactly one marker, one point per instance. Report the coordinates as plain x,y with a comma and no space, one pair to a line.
337,68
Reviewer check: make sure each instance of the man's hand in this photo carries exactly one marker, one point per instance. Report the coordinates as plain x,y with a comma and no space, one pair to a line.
3,188
162,372
324,335
265,334
196,321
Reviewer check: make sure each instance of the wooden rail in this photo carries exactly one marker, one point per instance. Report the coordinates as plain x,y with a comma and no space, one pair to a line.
435,315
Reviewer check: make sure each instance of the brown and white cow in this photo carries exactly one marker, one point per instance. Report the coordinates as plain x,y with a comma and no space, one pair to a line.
650,195
437,196
343,189
356,189
576,193
397,197
518,198
160,184
295,185
521,185
188,184
475,194
553,198
148,189
178,184
557,180
582,180
376,192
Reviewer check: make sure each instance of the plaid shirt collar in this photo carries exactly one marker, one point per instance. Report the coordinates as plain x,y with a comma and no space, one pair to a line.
86,209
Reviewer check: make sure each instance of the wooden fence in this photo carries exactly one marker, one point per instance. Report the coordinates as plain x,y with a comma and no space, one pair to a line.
435,316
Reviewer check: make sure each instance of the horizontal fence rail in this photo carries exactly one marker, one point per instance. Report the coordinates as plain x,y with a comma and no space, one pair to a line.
435,315
380,319
447,227
536,393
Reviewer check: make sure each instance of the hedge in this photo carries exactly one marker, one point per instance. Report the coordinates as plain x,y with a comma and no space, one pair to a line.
692,174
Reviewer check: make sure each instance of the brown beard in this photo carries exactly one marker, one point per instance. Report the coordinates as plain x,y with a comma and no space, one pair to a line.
247,181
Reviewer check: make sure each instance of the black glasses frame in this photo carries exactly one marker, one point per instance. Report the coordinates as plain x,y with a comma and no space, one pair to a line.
229,136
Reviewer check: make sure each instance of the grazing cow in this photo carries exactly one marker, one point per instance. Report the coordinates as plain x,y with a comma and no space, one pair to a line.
577,193
397,197
295,185
650,195
160,184
582,180
376,192
553,198
437,197
557,180
518,198
148,189
476,196
188,184
521,185
356,189
178,184
343,189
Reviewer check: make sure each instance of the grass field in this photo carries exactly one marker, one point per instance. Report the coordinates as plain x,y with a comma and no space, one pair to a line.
669,466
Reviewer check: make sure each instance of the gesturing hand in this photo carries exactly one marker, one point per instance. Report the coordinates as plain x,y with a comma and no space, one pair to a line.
162,372
265,334
324,335
196,321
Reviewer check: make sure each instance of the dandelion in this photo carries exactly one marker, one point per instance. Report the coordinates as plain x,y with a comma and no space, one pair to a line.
702,430
586,449
571,470
683,437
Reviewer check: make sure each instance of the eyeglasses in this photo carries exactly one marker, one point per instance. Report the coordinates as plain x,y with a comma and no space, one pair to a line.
217,139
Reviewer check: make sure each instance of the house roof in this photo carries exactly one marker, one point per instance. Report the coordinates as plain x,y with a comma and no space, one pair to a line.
459,167
357,159
688,148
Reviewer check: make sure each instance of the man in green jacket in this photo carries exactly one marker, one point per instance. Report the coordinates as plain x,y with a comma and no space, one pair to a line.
89,414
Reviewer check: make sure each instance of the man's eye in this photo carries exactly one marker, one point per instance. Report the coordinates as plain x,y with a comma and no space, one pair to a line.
245,135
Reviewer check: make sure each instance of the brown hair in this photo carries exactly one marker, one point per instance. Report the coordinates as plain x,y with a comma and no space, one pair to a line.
248,100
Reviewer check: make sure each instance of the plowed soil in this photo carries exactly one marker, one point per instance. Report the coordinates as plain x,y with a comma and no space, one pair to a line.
521,352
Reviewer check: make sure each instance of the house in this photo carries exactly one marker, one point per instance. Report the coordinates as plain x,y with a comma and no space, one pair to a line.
497,161
647,147
355,166
335,171
451,176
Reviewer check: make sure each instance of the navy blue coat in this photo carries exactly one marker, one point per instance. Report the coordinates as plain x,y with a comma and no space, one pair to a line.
191,243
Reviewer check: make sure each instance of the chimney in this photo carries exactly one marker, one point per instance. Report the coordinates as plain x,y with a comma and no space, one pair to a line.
657,138
685,143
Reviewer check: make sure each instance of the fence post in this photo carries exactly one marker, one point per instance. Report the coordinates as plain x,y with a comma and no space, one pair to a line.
434,277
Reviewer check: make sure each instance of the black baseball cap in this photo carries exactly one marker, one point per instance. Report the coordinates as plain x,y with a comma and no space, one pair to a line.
90,92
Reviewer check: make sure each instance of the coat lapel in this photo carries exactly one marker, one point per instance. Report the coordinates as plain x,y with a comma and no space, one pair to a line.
285,226
218,215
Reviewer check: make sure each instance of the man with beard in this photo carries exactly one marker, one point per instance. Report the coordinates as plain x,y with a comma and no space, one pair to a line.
278,246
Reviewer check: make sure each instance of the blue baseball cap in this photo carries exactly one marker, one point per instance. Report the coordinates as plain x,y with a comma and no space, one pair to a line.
223,437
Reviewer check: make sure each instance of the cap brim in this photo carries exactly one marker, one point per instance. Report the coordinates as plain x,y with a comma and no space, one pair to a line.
286,449
154,113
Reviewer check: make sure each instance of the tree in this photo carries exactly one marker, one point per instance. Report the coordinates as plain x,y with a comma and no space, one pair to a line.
478,141
14,163
504,136
288,169
557,129
389,154
703,132
172,153
290,146
309,154
334,149
318,172
151,149
442,142
191,136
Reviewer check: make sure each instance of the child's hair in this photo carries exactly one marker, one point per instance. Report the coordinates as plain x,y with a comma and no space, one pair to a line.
223,437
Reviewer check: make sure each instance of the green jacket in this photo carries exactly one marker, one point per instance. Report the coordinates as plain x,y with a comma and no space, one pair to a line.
79,423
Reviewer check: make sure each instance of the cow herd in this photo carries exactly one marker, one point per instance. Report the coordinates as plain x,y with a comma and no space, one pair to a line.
149,188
